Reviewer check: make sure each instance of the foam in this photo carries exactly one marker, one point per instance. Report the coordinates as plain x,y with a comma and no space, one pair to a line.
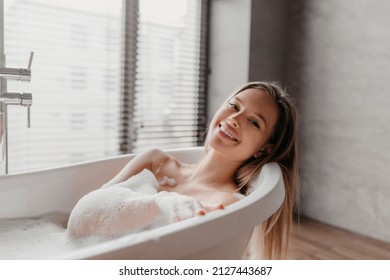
110,212
47,236
40,238
116,210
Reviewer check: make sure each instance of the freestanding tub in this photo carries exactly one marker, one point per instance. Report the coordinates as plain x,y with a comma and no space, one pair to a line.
222,234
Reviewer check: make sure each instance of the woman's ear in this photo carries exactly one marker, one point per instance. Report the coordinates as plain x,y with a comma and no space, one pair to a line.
265,150
257,155
268,148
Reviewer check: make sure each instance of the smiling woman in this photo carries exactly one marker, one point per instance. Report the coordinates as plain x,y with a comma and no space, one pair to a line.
266,116
239,143
248,119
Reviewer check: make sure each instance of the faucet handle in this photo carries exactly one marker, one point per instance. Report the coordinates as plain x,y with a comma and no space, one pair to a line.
27,102
30,60
28,117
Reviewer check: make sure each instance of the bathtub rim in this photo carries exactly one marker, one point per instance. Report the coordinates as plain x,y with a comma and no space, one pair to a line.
93,161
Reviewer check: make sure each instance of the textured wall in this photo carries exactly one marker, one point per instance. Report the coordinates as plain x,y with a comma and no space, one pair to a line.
269,40
341,60
334,57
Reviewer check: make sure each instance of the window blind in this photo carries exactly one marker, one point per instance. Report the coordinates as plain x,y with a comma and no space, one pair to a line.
167,80
75,81
108,77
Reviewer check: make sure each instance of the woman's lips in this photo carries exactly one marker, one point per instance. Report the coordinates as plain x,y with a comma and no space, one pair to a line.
228,132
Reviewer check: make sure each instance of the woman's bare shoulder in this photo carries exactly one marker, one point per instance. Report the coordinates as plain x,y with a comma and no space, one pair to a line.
157,158
153,153
147,159
158,154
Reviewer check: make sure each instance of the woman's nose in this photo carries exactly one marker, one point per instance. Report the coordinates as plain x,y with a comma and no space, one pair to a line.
233,121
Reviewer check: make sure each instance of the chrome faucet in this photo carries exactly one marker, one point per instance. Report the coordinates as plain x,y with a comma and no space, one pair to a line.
12,98
19,74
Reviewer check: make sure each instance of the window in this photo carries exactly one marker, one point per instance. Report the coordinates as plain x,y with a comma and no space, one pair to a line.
106,79
167,86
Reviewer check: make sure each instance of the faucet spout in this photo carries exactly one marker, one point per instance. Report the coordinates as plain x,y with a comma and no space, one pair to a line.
18,74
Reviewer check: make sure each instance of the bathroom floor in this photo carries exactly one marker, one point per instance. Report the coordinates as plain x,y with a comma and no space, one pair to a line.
314,240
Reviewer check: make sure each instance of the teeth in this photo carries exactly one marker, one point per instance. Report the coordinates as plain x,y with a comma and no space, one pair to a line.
224,130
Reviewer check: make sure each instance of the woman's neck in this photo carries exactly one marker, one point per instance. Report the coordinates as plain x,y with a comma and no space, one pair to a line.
214,169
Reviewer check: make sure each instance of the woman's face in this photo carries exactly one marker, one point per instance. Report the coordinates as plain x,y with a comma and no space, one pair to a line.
243,126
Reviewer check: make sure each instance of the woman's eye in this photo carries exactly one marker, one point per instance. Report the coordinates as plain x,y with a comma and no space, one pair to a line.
234,106
255,123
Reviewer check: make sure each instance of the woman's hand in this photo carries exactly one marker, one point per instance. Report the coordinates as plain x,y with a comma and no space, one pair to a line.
176,207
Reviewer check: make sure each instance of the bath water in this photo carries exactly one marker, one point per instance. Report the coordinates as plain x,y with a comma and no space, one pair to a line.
41,238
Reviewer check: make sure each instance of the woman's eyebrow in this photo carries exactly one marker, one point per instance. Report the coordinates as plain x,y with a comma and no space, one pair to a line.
260,116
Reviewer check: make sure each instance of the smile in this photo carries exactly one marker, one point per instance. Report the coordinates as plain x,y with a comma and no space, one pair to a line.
226,132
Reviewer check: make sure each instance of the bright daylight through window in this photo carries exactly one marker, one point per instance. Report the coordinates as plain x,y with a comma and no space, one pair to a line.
92,98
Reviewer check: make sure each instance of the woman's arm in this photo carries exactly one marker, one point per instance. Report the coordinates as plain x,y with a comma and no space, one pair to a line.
149,159
114,212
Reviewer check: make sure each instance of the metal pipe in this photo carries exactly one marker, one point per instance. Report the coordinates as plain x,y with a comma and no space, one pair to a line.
10,98
2,32
3,106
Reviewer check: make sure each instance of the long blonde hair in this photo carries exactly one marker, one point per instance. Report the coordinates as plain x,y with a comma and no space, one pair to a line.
273,235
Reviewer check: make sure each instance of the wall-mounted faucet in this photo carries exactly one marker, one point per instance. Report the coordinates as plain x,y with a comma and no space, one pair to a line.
16,98
11,98
18,74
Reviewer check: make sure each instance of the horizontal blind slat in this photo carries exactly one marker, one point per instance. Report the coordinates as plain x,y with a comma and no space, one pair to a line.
75,112
167,82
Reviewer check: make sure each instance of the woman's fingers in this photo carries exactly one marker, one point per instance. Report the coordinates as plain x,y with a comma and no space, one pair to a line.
208,207
180,207
198,208
189,209
201,208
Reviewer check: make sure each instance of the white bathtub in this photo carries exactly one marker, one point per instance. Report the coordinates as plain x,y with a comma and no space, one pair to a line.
222,234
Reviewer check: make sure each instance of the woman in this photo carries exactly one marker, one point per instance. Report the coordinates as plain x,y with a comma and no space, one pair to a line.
255,126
